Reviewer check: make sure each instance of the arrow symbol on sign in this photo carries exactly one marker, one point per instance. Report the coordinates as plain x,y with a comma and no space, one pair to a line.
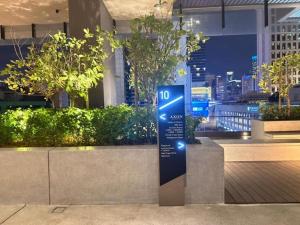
163,117
180,145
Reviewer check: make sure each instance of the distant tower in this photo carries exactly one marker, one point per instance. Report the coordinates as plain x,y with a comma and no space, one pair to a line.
254,73
197,63
220,88
229,76
247,84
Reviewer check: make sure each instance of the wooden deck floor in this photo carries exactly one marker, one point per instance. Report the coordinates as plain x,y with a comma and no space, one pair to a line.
262,182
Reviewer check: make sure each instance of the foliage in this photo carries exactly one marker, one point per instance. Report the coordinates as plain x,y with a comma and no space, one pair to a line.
154,53
110,124
12,126
142,126
279,76
191,124
41,129
61,64
75,127
272,113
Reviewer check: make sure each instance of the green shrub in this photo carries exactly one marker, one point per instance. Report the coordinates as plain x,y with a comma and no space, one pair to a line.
12,126
137,126
110,124
41,128
75,127
191,124
295,113
272,113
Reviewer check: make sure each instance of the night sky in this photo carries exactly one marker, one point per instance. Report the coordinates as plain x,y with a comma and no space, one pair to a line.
7,53
230,53
224,53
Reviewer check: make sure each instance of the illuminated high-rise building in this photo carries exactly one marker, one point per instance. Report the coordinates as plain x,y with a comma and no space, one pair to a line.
229,76
220,88
280,38
197,64
248,84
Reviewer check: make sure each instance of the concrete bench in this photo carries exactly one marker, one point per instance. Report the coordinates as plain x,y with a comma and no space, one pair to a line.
260,150
277,135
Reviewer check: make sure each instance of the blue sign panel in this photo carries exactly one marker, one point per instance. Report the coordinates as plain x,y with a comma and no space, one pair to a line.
172,146
200,108
253,109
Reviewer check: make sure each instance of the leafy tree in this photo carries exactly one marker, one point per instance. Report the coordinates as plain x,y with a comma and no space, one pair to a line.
279,76
272,79
61,64
154,53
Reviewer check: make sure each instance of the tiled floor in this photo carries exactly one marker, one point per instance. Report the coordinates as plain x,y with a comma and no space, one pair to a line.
155,215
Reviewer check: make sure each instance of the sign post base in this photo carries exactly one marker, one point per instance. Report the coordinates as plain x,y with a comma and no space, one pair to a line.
172,193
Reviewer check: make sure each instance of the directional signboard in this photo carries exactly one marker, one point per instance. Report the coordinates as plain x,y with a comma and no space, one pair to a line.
172,146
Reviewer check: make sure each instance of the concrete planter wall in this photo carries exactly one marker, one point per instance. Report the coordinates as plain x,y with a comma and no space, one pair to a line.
104,175
24,176
260,128
260,150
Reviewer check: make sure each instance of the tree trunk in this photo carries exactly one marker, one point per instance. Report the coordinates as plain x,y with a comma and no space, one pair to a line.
72,102
136,91
52,103
136,102
60,98
289,105
279,102
87,101
148,127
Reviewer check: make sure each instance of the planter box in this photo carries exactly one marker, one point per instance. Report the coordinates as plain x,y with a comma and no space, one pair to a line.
260,150
105,175
24,176
264,129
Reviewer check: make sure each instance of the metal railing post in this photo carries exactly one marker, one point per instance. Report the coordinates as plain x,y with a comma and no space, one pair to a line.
33,30
65,24
266,7
2,32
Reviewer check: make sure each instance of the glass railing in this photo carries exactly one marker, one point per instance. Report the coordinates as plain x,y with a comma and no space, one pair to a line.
226,126
227,123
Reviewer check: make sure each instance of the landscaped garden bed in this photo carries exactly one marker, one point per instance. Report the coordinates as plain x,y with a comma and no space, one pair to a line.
274,113
81,127
275,120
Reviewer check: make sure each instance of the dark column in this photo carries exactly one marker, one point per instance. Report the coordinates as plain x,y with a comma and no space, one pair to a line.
2,32
86,14
180,16
223,14
109,81
33,30
266,6
65,25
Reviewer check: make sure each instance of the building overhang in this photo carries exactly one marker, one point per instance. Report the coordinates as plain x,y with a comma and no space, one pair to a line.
25,12
205,4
